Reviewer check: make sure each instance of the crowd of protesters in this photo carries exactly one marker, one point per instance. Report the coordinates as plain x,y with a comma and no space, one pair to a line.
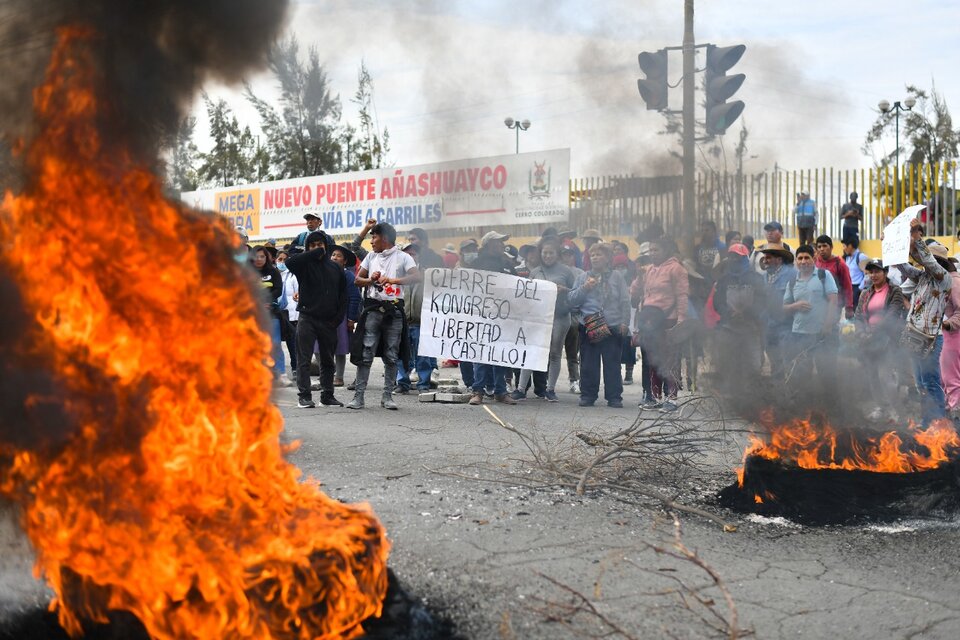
750,311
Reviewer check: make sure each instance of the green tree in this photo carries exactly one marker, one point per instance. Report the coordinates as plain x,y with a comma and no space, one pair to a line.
369,146
182,154
236,156
926,131
302,137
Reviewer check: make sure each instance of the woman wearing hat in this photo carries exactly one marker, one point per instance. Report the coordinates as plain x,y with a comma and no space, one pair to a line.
931,284
348,261
878,320
601,294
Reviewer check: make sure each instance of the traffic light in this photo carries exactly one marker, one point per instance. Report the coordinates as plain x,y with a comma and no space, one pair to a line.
720,87
653,89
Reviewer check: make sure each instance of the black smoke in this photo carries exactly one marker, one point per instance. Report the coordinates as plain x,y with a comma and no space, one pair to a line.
152,57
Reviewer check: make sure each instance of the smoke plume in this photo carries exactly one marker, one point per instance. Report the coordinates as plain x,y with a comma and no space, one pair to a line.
152,55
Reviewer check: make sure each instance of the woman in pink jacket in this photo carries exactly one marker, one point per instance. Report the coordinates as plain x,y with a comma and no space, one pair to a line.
665,292
950,355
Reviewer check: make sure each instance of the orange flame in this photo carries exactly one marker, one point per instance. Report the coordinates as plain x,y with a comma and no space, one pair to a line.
809,444
172,499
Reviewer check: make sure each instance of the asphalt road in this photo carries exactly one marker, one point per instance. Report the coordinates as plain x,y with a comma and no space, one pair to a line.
505,559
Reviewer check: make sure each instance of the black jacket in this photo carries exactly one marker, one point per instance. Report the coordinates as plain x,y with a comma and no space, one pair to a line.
497,263
323,286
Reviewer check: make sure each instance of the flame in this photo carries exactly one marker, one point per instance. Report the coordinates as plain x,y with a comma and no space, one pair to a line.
813,444
171,498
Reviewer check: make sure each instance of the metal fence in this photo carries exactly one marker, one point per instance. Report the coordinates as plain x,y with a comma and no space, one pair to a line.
624,205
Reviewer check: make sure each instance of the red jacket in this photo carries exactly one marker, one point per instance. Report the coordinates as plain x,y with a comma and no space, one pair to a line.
841,275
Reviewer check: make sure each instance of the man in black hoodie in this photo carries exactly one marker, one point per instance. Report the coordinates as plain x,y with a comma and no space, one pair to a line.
322,307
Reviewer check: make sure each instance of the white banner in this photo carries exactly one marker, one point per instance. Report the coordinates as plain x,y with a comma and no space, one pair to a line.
492,318
497,191
895,245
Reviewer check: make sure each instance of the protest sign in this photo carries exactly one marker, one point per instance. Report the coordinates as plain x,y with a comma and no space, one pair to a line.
497,191
896,237
487,317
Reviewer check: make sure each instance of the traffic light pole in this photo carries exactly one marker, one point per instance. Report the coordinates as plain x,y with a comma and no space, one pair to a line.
689,126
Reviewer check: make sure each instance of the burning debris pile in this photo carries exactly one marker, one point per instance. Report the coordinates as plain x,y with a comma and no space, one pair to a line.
811,472
137,433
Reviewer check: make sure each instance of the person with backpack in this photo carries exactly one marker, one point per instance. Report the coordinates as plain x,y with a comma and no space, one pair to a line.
838,269
811,298
738,299
853,258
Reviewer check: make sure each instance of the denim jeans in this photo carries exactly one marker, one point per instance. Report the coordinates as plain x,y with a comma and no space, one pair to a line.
276,350
467,373
386,331
423,365
926,373
558,336
488,375
603,355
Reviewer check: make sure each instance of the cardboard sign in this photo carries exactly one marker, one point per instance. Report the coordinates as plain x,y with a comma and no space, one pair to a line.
486,317
896,237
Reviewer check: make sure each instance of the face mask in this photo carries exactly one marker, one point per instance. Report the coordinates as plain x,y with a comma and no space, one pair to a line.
282,266
470,257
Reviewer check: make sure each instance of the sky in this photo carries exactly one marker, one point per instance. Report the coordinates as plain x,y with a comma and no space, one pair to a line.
446,74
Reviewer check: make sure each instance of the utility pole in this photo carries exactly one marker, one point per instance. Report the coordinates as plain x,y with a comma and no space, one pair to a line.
689,125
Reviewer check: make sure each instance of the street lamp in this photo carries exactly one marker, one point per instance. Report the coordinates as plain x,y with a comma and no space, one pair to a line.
884,106
519,126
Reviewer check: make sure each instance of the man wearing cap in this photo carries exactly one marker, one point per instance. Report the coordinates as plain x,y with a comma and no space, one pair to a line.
313,223
469,251
806,215
778,274
491,258
773,231
385,272
851,214
739,301
590,238
322,305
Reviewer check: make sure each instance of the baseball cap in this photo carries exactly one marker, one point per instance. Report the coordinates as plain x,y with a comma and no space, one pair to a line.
875,263
467,243
739,248
242,232
490,236
307,216
773,225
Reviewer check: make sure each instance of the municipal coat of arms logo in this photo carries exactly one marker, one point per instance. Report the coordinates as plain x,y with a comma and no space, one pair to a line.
539,180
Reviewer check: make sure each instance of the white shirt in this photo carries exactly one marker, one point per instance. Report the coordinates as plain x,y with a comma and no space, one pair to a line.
391,263
290,287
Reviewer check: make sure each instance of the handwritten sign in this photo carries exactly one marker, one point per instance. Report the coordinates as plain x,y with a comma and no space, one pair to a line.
492,318
896,237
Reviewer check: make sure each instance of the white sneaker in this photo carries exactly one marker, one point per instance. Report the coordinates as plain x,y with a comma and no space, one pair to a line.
282,382
575,386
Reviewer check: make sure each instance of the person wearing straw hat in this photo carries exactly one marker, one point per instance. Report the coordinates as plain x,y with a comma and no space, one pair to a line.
590,238
779,272
450,256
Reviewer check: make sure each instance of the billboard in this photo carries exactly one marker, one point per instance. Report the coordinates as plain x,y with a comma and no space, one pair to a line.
496,191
